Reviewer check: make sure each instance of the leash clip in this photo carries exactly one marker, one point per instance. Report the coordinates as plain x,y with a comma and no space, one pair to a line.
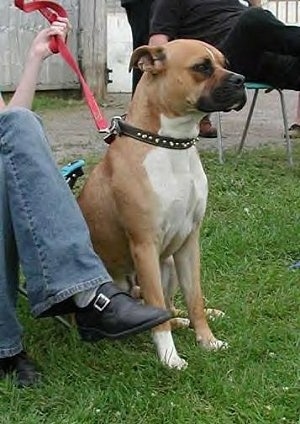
113,130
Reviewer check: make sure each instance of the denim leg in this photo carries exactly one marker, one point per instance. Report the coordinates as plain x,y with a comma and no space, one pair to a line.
52,237
10,329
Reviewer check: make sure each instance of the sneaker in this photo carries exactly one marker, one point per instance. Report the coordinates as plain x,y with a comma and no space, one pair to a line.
114,314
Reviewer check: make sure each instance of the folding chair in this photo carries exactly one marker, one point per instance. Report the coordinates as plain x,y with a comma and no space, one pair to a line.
257,87
71,172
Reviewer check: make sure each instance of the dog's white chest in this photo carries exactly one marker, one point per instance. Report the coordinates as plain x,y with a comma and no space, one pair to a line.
179,181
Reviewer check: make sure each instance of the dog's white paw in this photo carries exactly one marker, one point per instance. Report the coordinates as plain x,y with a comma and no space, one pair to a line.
179,323
175,362
212,314
183,322
214,344
217,345
167,351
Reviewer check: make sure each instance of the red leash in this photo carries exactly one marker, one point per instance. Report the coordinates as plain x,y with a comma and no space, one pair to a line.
51,10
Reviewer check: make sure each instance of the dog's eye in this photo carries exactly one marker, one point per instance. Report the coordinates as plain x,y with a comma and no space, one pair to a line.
203,68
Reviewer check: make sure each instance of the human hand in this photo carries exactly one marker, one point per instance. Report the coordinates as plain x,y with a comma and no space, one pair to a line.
158,39
40,47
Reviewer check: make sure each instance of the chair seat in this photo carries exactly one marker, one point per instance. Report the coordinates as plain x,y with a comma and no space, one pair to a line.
258,86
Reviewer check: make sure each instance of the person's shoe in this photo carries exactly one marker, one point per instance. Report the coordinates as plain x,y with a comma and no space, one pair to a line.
22,368
206,128
4,367
114,314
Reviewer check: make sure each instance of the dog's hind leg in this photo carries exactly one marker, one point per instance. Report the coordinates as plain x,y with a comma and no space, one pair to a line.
147,267
187,262
170,286
169,283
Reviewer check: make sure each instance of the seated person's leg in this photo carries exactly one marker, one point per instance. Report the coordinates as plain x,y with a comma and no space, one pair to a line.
12,357
53,239
281,71
294,130
256,33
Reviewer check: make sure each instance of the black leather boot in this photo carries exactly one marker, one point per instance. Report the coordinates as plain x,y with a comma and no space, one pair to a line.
22,368
114,314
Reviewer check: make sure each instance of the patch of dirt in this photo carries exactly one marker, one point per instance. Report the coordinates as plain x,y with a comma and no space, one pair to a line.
72,131
73,134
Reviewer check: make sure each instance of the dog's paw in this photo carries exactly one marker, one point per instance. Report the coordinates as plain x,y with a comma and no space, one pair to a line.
212,314
213,344
178,313
218,345
135,292
175,362
167,351
179,323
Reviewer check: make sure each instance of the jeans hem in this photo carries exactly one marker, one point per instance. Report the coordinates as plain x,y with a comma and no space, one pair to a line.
12,351
65,294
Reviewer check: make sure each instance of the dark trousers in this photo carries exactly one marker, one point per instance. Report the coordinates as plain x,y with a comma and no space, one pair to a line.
264,49
138,13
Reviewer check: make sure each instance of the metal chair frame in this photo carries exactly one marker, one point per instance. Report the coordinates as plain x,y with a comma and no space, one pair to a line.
257,87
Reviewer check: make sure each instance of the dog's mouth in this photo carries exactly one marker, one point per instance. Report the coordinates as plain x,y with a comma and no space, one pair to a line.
230,95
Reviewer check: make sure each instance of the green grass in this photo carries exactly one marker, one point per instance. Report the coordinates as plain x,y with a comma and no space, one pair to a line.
55,100
250,236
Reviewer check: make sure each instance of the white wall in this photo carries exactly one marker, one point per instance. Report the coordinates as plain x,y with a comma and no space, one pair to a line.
17,30
119,48
287,11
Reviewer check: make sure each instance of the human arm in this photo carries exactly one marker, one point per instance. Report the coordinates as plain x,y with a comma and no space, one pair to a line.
2,104
158,39
165,19
255,3
38,52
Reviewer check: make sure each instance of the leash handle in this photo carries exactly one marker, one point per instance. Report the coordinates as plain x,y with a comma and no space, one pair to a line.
51,10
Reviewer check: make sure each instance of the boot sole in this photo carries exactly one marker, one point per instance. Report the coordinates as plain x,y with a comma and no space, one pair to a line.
89,334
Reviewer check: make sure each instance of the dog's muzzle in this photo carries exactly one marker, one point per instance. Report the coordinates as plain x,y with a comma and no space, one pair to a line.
230,94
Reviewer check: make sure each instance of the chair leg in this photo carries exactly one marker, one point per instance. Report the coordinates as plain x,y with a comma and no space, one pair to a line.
286,128
249,117
220,138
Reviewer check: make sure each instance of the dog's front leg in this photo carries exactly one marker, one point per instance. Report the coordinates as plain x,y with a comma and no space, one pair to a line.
187,263
146,263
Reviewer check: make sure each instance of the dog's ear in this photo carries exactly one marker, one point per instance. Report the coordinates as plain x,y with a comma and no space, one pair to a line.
148,59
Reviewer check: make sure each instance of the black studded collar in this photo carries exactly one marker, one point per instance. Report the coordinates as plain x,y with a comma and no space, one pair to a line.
120,127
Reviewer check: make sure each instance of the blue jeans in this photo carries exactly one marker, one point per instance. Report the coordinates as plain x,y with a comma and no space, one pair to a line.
41,227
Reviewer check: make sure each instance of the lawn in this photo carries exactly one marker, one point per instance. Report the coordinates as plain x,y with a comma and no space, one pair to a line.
250,237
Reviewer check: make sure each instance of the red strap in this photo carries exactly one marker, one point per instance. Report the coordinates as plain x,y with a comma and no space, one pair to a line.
50,10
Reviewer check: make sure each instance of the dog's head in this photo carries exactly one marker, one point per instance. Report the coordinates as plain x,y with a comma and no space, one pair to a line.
191,76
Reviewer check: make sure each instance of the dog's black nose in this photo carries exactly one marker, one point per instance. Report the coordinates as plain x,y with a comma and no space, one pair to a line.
237,80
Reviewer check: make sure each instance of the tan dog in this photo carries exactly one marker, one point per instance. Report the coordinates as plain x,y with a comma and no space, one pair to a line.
143,203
